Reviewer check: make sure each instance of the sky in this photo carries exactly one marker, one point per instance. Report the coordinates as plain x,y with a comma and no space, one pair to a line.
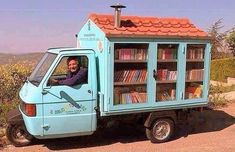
36,25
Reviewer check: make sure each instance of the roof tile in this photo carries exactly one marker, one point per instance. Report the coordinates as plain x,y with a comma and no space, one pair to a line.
136,26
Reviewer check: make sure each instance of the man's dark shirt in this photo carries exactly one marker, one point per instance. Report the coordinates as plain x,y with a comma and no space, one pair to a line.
73,78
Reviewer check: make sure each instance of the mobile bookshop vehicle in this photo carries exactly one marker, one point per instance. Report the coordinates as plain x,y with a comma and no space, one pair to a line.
153,70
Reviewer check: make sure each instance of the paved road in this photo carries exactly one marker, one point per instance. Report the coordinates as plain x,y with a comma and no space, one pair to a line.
210,131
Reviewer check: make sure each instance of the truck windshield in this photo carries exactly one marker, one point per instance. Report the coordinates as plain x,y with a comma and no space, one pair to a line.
41,69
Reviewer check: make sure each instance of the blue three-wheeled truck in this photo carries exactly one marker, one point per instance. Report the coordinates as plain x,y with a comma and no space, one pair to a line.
142,70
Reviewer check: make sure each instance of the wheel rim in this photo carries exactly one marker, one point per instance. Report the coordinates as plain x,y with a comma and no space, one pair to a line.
161,130
19,134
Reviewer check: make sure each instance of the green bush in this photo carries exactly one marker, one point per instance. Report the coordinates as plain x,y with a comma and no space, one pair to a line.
11,79
216,98
5,107
222,68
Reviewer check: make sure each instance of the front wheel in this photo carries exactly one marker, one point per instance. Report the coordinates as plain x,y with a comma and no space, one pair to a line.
18,135
160,131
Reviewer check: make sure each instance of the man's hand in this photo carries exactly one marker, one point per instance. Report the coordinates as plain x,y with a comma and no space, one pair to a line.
53,81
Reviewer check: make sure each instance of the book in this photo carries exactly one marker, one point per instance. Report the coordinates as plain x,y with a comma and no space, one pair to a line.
130,54
130,76
167,53
194,90
195,74
196,52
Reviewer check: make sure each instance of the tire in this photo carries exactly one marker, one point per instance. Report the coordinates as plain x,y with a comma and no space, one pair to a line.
18,135
160,131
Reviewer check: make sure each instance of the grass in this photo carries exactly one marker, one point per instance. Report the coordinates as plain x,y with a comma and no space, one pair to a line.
222,89
216,97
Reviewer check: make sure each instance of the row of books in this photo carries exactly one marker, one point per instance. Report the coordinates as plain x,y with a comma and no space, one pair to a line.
165,74
166,95
167,53
131,54
193,91
129,98
130,75
195,74
195,53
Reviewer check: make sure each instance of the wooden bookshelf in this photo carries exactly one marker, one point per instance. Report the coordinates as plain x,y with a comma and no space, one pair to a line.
166,73
166,81
194,81
166,60
130,73
130,61
194,71
129,83
195,60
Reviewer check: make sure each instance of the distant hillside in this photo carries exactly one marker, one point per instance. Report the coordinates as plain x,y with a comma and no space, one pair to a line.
15,58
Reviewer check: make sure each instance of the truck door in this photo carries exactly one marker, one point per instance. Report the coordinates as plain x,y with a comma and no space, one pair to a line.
69,110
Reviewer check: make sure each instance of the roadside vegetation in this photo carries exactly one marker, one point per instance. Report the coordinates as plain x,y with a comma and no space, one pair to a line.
223,62
11,79
216,96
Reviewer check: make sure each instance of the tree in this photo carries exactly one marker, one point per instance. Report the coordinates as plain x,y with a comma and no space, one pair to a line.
216,38
231,41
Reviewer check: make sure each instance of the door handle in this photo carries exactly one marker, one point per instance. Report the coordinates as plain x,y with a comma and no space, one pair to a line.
44,92
46,127
89,91
154,74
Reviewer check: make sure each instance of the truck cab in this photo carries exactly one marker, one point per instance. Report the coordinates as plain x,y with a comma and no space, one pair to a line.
52,111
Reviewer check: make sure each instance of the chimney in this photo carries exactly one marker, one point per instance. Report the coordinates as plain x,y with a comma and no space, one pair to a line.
117,15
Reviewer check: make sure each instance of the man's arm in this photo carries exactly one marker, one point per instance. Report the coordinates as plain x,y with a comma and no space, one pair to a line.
76,79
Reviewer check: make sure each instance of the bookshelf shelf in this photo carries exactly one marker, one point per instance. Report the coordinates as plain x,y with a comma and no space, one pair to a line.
195,60
166,81
129,83
130,61
194,81
166,60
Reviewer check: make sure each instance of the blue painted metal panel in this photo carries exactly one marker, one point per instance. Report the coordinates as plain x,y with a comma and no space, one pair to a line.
206,78
70,109
34,124
164,40
181,71
32,95
90,36
160,107
152,65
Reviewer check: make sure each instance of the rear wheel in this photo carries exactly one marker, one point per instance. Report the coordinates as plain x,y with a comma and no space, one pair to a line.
18,135
161,130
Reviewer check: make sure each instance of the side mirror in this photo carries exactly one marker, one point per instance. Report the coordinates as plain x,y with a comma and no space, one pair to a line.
49,83
25,80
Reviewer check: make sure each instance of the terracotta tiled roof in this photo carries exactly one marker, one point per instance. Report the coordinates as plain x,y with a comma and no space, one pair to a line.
136,26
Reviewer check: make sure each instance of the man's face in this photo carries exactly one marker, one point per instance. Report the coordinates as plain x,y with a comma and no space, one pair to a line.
73,65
